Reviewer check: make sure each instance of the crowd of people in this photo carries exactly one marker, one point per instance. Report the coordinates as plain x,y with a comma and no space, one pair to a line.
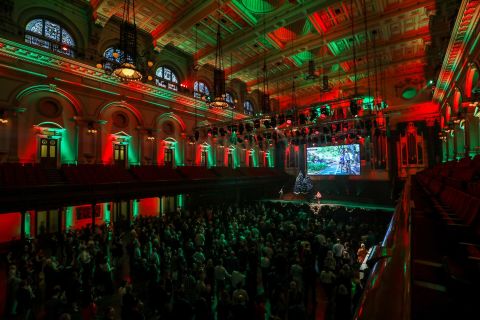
247,261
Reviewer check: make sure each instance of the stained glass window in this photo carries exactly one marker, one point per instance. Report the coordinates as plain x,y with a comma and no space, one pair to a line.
35,26
108,54
200,89
248,107
230,100
166,78
110,58
49,35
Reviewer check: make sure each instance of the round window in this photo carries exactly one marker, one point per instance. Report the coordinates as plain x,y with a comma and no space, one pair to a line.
49,108
168,127
120,119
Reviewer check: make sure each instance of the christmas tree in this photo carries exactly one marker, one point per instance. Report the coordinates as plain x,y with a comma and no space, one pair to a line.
307,184
298,187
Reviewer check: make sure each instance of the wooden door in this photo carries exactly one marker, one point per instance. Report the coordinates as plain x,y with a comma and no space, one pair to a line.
120,154
48,152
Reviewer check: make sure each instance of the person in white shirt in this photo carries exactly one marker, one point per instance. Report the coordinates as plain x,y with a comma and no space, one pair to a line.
338,249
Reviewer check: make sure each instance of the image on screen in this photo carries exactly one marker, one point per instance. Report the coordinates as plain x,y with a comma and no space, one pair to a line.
334,160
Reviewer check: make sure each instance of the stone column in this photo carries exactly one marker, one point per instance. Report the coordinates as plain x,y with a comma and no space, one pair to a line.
140,146
129,212
99,143
13,145
22,225
466,133
431,139
447,147
393,156
455,151
94,205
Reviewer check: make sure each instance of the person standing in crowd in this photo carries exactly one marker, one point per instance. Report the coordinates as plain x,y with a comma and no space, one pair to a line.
265,253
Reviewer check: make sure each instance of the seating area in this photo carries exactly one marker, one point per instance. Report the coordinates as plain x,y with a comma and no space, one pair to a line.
252,172
94,174
35,175
225,172
16,174
463,175
155,173
452,192
196,173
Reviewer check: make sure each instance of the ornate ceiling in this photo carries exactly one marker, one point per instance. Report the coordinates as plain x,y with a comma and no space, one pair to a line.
289,33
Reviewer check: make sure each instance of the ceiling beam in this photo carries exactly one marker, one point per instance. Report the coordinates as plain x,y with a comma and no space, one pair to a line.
192,15
287,14
418,60
314,41
346,56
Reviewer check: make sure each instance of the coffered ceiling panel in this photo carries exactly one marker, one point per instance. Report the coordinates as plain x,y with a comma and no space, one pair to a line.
287,34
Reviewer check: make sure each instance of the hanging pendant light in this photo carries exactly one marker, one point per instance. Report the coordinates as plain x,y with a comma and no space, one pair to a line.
127,70
219,94
266,109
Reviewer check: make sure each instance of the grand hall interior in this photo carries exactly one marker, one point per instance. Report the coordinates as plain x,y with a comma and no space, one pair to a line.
239,159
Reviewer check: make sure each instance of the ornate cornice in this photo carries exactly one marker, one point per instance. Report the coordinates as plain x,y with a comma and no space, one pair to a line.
467,19
34,56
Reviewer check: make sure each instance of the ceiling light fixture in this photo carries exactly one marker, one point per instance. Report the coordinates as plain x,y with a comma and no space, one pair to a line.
127,70
219,95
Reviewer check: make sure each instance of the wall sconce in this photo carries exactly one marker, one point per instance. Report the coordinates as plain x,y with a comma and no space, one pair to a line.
150,136
91,129
3,117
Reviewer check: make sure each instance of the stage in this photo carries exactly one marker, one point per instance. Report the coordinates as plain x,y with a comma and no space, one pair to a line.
311,201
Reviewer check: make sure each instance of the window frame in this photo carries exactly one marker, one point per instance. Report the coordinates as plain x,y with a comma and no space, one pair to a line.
197,94
46,42
245,109
170,84
231,101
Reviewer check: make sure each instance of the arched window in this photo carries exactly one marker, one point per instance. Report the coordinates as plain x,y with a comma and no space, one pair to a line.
230,100
50,35
248,107
200,89
114,55
110,53
166,78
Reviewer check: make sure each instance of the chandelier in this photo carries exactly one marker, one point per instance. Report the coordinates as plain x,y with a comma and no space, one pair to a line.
127,70
219,94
